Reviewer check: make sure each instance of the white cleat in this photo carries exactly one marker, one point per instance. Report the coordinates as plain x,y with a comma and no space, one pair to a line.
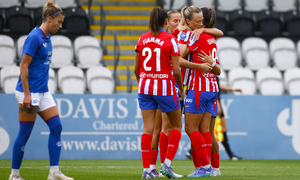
58,176
178,175
194,171
15,177
216,172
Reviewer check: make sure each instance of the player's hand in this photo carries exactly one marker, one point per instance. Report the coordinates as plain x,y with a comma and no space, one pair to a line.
205,67
205,58
181,95
238,90
181,28
27,101
196,33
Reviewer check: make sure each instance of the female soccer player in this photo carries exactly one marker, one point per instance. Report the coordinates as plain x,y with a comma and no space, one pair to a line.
33,95
157,54
202,93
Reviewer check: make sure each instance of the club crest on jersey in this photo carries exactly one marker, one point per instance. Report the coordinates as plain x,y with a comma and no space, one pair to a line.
183,35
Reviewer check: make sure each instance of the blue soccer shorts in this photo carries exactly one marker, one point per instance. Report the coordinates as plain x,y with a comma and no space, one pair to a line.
166,103
200,101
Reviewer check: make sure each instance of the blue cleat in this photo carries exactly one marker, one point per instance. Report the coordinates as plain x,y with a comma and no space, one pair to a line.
154,173
202,173
168,171
147,175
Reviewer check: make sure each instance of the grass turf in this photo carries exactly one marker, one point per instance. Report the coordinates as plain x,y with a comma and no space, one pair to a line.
132,169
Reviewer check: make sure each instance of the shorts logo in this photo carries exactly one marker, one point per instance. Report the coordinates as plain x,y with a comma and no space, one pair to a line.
34,102
189,100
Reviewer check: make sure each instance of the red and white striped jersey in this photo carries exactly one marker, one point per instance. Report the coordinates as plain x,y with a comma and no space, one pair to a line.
199,80
156,77
184,38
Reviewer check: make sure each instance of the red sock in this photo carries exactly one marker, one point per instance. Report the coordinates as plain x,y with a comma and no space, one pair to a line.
196,160
197,143
173,144
215,160
146,148
163,146
154,153
208,141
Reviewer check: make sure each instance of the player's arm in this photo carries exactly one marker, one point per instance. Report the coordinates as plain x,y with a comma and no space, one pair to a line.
213,31
137,66
204,67
177,75
24,74
228,88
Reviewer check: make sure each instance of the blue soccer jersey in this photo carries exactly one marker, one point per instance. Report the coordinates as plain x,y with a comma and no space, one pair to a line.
38,46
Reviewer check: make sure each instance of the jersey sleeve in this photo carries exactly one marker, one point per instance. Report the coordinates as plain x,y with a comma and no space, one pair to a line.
31,44
183,37
176,32
175,47
192,45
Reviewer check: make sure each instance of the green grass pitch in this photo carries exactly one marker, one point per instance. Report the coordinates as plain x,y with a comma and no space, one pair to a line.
132,169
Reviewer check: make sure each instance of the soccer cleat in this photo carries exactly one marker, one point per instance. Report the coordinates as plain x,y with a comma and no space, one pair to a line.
216,172
15,177
178,175
154,173
234,157
194,171
202,173
168,171
58,176
148,175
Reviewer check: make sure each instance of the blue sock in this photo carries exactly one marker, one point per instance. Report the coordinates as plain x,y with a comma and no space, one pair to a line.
20,142
54,143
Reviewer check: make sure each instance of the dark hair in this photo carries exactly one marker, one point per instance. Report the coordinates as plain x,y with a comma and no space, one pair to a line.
209,17
157,20
187,13
51,9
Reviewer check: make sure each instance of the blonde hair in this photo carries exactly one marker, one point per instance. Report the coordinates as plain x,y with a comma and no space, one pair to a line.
187,13
51,9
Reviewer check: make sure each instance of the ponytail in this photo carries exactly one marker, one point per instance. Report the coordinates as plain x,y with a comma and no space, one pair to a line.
157,20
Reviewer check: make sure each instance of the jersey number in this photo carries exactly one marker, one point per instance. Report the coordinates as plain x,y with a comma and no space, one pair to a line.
149,52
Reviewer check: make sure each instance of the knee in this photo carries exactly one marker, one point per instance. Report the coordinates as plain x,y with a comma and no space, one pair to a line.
56,128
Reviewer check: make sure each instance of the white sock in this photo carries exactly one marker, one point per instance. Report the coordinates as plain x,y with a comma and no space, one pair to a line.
147,169
152,166
168,162
216,168
54,169
206,167
15,172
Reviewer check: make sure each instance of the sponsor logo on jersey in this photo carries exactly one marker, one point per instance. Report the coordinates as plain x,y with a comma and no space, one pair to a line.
45,45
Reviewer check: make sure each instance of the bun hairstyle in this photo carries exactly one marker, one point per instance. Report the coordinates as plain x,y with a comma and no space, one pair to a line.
209,17
187,13
51,9
158,17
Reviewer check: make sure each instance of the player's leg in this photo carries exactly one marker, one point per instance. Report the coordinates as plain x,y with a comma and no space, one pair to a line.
27,118
49,113
225,141
155,141
148,107
205,131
